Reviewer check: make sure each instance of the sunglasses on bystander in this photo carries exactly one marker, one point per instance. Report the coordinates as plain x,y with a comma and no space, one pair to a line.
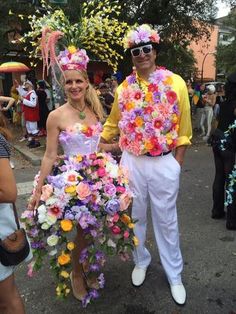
136,52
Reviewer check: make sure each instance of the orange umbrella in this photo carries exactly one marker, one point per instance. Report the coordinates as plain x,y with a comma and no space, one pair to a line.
13,66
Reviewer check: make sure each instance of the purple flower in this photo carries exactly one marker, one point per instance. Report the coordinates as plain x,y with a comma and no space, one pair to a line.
99,255
131,79
34,232
112,206
86,219
110,189
101,280
56,181
94,267
94,294
83,255
86,300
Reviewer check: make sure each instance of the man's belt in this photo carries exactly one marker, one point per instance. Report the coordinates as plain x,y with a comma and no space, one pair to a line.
162,154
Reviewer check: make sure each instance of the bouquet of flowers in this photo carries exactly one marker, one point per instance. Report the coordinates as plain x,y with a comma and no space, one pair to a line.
90,192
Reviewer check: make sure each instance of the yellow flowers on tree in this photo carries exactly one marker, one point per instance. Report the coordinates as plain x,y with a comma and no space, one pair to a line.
98,30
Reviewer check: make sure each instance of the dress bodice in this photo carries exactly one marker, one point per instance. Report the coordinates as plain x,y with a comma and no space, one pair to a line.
80,139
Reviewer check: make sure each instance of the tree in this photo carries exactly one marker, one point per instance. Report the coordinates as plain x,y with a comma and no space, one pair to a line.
226,57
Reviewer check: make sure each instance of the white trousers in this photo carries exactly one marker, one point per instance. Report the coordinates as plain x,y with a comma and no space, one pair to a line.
156,179
32,127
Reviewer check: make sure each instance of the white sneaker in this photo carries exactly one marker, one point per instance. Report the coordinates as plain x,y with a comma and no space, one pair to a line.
22,139
138,276
12,165
178,293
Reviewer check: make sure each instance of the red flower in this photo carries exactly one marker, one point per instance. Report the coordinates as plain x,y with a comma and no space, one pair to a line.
171,97
138,95
138,136
148,110
89,132
153,88
157,124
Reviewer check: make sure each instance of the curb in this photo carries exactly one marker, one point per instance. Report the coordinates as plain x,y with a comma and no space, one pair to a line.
35,160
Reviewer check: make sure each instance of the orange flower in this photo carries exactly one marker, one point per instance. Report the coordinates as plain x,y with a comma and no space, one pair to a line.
79,158
168,81
63,259
125,219
148,145
148,96
129,106
139,121
72,178
66,225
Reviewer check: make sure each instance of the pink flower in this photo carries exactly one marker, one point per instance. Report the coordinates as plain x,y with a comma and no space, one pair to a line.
126,234
101,172
120,189
46,192
83,190
55,211
110,189
115,218
30,272
116,230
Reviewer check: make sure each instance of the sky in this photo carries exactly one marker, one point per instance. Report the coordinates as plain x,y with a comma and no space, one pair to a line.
223,9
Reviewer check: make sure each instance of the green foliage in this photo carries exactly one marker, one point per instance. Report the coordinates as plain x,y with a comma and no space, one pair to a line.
226,56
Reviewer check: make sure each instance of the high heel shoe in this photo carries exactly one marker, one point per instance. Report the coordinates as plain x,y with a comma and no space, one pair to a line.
77,295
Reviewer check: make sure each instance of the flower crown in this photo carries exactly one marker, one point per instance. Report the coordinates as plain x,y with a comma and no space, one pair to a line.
73,59
141,34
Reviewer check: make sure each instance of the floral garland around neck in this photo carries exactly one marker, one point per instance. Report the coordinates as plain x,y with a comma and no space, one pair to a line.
227,143
149,121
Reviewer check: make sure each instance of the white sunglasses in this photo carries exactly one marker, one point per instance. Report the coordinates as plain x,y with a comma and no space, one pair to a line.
135,52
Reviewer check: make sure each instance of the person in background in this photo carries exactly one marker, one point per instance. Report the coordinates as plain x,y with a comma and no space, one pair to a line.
43,108
209,100
200,104
106,97
224,159
151,112
10,299
190,95
31,111
114,85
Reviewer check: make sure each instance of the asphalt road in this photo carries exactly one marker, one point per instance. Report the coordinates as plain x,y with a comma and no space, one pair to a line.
209,252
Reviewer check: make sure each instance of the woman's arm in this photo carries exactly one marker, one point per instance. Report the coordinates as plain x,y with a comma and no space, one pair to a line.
8,191
49,157
9,100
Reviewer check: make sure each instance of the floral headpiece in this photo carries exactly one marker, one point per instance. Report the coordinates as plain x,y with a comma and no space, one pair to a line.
73,59
140,34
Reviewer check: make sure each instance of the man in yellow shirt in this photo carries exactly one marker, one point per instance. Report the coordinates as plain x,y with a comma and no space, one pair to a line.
151,112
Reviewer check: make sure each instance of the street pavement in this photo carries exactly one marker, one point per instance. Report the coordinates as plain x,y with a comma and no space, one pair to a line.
209,252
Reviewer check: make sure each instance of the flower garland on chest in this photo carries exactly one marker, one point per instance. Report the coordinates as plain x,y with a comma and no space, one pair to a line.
149,122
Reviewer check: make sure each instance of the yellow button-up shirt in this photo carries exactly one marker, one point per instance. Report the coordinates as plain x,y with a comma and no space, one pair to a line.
111,128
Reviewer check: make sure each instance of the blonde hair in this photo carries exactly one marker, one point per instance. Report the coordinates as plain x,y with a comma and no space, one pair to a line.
91,97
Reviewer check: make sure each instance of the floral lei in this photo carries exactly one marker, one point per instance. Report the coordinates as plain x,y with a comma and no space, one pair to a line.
149,122
231,187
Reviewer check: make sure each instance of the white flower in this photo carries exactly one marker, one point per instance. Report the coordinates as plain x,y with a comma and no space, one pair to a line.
53,252
50,219
112,169
51,201
52,240
111,243
42,213
45,226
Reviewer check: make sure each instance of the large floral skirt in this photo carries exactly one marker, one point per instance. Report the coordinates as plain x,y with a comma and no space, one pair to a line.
91,192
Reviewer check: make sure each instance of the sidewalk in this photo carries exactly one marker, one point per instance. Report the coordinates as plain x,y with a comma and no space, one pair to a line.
33,155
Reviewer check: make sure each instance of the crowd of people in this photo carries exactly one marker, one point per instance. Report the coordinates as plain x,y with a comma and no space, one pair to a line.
150,112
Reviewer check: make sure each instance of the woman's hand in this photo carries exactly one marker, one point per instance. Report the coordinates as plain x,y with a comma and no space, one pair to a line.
34,201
